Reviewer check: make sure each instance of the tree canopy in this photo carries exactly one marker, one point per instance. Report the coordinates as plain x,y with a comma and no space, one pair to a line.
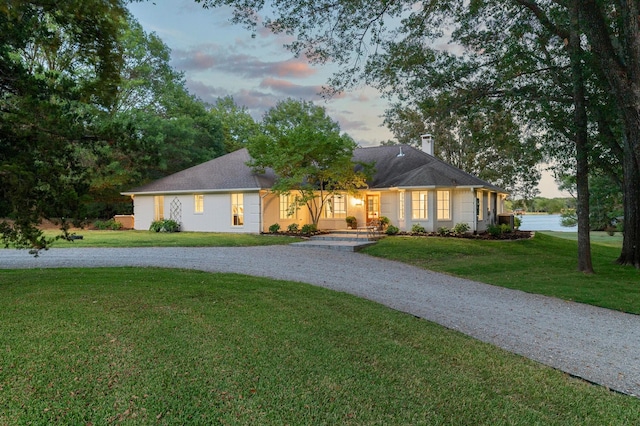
90,106
58,61
237,124
309,155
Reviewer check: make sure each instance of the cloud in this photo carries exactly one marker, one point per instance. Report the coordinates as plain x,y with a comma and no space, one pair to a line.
289,89
197,61
256,101
212,57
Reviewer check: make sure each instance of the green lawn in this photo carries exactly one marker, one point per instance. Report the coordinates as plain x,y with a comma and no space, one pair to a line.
91,238
597,237
542,265
153,346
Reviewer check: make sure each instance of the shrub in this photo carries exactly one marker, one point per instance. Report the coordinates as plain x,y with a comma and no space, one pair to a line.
110,224
505,228
418,229
494,230
384,222
443,231
309,228
517,222
392,230
461,228
293,227
156,225
274,228
352,222
167,225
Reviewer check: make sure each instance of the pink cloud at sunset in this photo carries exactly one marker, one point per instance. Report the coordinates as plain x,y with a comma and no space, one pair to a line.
290,89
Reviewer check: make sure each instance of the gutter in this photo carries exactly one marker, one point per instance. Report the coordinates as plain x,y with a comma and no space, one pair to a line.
193,191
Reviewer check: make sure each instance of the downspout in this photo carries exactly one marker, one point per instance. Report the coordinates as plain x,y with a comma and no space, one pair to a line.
261,198
475,210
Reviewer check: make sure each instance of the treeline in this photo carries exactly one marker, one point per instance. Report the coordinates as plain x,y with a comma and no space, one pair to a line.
606,208
90,106
541,205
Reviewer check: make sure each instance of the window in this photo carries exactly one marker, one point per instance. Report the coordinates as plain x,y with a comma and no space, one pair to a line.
237,209
288,208
401,205
158,207
198,201
444,207
335,207
479,205
420,205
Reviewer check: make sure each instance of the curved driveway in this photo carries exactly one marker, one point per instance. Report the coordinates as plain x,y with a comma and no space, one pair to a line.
599,345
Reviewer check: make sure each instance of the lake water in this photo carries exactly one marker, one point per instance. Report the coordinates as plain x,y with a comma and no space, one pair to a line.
544,222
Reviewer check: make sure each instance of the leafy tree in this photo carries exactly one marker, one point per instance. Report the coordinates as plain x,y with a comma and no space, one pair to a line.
154,127
58,61
307,152
237,124
605,200
481,139
614,36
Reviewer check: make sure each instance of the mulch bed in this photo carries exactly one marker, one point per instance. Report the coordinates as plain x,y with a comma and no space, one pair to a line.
513,235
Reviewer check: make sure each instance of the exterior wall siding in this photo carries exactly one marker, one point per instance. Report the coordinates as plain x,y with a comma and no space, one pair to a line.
143,211
216,216
464,207
271,212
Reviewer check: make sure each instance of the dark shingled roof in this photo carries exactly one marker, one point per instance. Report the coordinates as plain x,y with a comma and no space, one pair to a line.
223,173
414,168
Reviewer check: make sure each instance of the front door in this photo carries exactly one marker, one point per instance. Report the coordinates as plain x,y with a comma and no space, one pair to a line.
373,208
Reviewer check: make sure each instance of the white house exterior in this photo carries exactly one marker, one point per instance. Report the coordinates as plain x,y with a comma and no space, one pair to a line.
409,186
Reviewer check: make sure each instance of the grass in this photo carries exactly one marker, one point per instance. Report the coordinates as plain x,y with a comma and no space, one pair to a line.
154,346
167,239
543,265
597,237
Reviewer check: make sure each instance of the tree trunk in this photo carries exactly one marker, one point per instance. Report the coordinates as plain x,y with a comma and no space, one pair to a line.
619,54
580,121
630,254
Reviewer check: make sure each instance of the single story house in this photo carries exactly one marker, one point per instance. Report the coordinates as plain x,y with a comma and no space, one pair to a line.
409,186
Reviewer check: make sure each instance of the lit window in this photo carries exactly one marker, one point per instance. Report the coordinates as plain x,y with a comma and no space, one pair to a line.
420,205
335,207
444,207
237,209
479,201
158,207
198,203
401,205
284,206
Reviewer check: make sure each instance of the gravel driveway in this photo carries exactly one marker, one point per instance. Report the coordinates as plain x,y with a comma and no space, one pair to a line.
599,345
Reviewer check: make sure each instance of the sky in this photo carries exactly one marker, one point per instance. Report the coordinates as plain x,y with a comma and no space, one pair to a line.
221,59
